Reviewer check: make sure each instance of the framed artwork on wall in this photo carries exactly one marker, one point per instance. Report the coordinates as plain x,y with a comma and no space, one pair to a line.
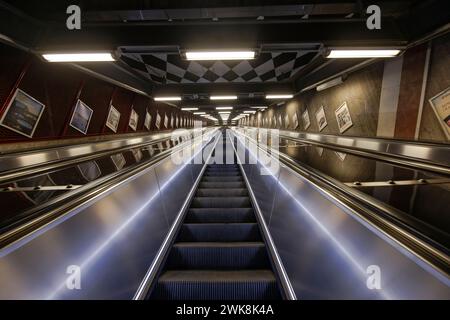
305,119
321,119
440,104
158,120
133,122
166,121
148,120
22,114
343,117
81,117
113,119
295,120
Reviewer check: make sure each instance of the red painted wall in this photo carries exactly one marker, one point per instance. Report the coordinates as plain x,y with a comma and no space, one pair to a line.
58,87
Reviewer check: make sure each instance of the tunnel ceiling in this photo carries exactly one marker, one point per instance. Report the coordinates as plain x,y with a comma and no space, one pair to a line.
150,36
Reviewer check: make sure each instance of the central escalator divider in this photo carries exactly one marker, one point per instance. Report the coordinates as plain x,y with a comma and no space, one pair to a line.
219,252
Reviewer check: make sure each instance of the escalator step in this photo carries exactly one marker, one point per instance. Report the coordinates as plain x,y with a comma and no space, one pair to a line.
222,179
216,285
218,192
222,174
230,215
218,255
220,202
217,184
207,232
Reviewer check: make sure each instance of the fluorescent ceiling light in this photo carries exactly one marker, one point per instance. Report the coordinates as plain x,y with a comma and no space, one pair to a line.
220,55
262,107
189,109
363,53
224,112
224,108
249,111
279,96
199,112
167,98
223,97
78,57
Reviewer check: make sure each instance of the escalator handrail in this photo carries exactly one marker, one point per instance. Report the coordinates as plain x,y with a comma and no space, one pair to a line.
429,251
152,272
61,207
20,172
394,158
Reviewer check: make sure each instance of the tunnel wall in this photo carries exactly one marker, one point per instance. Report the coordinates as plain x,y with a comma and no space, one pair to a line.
388,99
59,86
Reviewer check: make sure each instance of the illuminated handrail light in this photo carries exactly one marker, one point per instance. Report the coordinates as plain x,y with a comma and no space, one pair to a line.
279,96
189,109
220,55
372,53
79,57
173,98
223,97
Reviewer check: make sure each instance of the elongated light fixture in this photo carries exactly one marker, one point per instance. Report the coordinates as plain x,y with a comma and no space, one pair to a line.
224,108
250,111
175,98
78,57
279,96
331,83
261,107
189,109
223,97
199,113
224,112
376,53
220,55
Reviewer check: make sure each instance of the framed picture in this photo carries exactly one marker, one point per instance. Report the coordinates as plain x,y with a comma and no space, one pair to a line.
148,120
119,160
321,119
440,104
113,119
306,120
166,121
319,151
343,117
22,114
81,117
134,117
341,155
89,170
158,120
295,120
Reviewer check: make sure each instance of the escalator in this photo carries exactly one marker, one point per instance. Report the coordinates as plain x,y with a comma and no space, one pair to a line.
219,252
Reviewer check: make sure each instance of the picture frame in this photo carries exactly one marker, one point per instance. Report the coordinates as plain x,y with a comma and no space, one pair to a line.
158,120
113,119
321,118
440,104
89,170
134,118
166,121
118,160
295,120
341,155
306,120
343,118
81,117
148,120
22,114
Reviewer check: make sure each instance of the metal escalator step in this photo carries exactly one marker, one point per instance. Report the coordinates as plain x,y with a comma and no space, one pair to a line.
222,184
222,179
216,285
218,255
230,215
220,202
208,232
218,192
222,174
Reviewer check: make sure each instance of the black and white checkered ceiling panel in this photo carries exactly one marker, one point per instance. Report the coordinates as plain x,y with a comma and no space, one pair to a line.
171,68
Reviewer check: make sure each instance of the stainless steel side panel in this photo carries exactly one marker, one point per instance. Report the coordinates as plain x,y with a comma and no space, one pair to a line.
113,241
329,252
